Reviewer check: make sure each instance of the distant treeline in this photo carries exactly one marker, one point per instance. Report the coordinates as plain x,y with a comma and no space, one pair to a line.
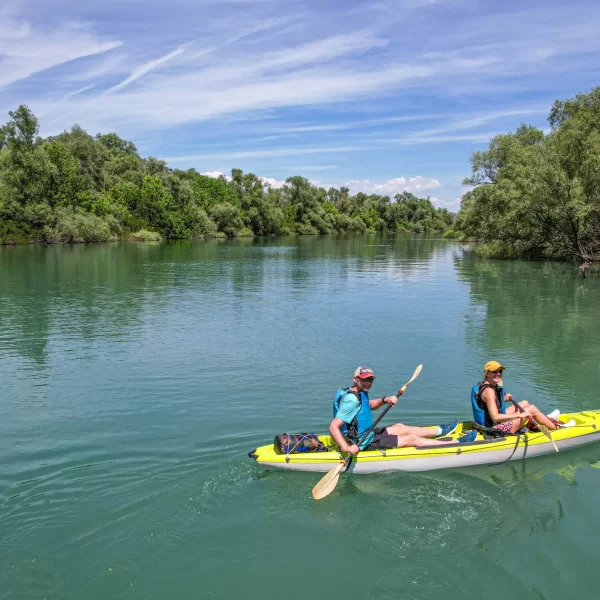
77,188
538,195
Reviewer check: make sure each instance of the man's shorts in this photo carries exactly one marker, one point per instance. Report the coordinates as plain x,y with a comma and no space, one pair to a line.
382,440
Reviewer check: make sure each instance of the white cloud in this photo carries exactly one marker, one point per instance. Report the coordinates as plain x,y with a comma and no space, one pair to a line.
79,91
215,174
146,68
261,153
267,181
271,182
297,76
479,120
452,206
25,50
359,124
105,65
414,185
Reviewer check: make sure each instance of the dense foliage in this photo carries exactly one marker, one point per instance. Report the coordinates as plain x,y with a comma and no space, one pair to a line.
539,195
75,187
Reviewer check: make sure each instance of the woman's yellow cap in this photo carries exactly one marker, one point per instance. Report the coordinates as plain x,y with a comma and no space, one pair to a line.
493,365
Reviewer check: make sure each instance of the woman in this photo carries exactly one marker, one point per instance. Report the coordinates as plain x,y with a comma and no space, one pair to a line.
489,403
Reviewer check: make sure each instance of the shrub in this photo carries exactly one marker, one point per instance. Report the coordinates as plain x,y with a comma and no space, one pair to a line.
451,234
305,229
143,235
74,226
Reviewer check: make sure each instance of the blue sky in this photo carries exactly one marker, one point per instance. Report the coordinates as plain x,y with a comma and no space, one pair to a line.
380,96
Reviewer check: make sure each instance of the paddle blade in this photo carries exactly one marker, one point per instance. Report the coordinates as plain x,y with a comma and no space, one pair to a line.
415,375
328,483
547,433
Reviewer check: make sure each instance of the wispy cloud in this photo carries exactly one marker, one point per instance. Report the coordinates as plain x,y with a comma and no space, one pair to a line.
359,124
25,50
381,144
146,68
272,80
471,123
78,91
261,154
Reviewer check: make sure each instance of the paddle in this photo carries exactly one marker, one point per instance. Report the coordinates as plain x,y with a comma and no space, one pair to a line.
329,481
541,427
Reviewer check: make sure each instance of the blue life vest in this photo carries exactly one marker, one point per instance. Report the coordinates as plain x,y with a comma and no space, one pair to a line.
362,421
481,414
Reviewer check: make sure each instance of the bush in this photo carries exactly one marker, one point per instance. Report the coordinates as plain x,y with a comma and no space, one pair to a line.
16,233
143,235
74,226
227,218
358,225
305,229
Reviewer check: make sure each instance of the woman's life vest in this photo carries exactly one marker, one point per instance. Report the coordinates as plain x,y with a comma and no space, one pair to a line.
481,413
362,422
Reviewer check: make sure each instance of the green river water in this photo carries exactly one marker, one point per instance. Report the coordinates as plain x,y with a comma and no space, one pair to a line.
136,378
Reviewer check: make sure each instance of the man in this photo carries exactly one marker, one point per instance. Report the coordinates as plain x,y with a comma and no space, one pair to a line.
352,418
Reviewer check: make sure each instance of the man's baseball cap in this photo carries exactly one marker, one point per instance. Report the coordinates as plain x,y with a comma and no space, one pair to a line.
364,372
493,365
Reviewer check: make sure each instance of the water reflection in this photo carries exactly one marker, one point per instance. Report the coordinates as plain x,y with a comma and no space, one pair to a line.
541,318
164,364
85,291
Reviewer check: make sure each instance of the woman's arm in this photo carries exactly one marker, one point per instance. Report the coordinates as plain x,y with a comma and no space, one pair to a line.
489,397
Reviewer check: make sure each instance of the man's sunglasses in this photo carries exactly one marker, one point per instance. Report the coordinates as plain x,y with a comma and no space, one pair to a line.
368,379
498,372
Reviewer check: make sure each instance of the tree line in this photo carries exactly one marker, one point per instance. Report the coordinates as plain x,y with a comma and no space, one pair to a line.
74,187
536,194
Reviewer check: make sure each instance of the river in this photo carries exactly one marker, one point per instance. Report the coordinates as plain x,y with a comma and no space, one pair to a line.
136,378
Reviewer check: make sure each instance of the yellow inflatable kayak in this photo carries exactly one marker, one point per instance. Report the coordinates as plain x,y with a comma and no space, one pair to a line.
480,452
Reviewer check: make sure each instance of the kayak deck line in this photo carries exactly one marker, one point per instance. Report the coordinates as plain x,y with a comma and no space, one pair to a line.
479,452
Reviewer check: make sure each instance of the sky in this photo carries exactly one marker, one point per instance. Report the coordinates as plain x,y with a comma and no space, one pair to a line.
381,96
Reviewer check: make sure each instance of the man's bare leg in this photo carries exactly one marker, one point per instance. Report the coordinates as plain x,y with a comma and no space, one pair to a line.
401,430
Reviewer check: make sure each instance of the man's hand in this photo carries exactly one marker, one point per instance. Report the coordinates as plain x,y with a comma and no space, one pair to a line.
354,449
393,400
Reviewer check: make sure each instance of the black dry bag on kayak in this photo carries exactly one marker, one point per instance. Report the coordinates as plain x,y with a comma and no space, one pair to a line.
292,443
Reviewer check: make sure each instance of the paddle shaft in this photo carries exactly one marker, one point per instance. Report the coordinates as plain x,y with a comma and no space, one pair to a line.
327,483
398,393
521,409
542,428
364,437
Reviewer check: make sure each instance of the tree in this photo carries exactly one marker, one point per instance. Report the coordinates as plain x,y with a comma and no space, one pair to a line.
539,195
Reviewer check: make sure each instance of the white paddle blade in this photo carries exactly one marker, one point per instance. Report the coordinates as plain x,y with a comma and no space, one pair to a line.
415,375
547,433
328,483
